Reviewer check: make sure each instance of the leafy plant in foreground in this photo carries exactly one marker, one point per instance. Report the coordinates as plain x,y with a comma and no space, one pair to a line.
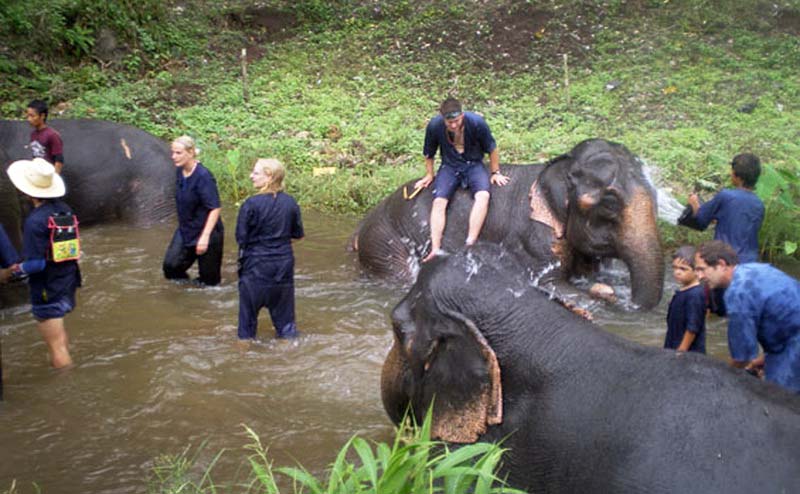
412,464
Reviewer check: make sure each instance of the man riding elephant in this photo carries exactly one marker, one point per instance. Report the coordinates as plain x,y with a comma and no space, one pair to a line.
462,138
584,206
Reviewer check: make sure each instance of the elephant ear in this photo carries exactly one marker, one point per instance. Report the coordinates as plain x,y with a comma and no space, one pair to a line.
549,194
466,384
541,212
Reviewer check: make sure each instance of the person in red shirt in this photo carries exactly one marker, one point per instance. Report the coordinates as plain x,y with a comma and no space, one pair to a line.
45,141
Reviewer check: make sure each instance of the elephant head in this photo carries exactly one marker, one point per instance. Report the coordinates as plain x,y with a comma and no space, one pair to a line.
440,356
600,205
576,407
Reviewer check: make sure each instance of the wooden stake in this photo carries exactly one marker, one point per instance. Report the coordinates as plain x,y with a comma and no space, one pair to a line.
245,95
566,78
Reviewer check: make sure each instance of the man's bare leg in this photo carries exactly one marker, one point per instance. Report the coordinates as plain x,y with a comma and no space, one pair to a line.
438,221
55,335
477,216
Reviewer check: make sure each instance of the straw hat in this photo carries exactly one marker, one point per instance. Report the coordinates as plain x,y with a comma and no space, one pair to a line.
36,178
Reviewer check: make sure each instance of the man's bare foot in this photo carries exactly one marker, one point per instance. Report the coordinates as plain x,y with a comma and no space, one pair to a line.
433,253
469,242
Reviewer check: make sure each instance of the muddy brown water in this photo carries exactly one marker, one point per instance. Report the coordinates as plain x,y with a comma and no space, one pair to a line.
157,367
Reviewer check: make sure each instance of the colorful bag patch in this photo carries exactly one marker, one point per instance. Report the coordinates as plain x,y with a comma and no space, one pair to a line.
65,239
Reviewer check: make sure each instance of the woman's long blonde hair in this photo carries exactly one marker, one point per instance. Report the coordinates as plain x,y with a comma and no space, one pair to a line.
274,169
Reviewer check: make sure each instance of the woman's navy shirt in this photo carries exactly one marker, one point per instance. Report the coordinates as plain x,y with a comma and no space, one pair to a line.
195,196
266,225
58,279
687,312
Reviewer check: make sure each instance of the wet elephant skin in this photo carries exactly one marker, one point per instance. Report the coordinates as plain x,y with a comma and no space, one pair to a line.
587,205
577,408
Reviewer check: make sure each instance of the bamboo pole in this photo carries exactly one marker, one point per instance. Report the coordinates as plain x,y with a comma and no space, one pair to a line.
566,78
245,94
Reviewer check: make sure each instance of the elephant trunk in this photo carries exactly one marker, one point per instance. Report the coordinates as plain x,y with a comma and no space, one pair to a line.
640,249
394,398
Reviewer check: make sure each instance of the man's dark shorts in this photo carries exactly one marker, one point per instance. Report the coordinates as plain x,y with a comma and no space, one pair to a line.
54,310
448,178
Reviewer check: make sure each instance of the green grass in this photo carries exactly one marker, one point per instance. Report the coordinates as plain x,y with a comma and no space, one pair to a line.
355,84
412,464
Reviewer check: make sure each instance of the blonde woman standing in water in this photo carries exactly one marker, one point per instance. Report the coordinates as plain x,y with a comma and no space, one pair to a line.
265,228
200,233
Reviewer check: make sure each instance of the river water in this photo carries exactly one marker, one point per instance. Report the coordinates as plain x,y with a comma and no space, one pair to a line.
158,368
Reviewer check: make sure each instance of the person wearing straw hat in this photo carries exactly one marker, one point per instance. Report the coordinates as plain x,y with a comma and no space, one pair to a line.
52,284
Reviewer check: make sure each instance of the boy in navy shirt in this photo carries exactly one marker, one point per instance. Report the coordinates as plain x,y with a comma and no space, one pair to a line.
738,212
686,318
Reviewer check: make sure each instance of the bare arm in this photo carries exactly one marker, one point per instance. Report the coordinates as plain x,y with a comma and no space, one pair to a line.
686,342
202,241
428,178
494,168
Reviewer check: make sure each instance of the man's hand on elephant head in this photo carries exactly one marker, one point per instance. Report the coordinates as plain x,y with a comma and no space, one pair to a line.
499,179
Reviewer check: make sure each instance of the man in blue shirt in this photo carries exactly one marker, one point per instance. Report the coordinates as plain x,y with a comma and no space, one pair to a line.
738,212
763,308
462,138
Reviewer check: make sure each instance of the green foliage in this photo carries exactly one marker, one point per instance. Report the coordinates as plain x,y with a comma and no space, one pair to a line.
412,464
695,84
780,191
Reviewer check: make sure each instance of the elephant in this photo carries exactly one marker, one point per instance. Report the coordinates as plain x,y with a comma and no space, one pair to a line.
113,172
590,204
577,408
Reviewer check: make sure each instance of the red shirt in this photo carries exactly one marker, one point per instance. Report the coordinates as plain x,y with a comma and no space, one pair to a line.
46,143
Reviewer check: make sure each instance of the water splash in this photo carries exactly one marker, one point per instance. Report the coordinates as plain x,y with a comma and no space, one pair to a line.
669,208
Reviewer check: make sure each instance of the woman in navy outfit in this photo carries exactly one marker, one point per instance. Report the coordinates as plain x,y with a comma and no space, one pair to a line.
265,228
200,232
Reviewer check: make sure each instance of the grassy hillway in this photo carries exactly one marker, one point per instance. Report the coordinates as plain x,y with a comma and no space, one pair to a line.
350,84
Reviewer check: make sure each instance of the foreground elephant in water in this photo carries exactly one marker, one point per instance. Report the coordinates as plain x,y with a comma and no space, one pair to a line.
589,204
112,171
579,409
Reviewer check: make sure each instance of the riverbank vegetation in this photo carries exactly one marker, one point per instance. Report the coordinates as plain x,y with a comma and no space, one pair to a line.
341,90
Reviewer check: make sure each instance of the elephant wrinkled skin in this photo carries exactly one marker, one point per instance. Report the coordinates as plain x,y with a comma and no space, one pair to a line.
590,204
112,171
579,409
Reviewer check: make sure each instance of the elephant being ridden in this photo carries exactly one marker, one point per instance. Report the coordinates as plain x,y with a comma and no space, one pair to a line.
590,204
579,409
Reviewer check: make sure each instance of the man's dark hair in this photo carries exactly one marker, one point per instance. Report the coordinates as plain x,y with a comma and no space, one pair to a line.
686,254
450,105
747,166
40,106
714,251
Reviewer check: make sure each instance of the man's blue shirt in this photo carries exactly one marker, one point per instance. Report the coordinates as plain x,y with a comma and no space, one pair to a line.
478,141
195,196
739,214
763,306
